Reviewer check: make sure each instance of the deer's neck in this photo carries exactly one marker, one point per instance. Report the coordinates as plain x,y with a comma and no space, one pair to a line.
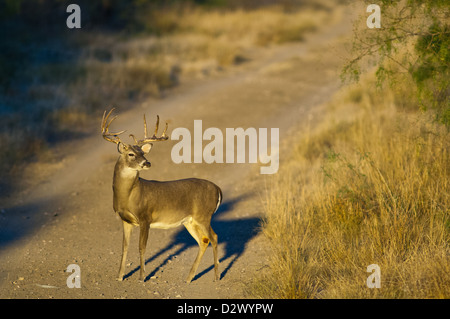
124,181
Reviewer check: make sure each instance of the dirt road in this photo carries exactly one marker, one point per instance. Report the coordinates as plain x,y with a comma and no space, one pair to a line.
63,214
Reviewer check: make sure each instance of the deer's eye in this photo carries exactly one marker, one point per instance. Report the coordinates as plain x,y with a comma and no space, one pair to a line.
130,154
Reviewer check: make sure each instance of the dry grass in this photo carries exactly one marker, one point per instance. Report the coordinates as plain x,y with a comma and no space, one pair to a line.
200,41
369,186
262,26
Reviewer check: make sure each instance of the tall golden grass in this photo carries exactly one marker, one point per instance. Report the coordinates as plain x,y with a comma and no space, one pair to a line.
368,186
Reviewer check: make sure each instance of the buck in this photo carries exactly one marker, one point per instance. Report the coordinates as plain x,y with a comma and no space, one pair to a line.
153,204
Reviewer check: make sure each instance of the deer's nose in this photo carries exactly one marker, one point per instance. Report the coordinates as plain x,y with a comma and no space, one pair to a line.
146,164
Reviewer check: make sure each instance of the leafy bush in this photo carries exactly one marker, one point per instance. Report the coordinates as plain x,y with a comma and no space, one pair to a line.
414,42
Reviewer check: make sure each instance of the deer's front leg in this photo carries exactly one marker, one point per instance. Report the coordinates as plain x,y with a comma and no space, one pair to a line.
127,228
143,237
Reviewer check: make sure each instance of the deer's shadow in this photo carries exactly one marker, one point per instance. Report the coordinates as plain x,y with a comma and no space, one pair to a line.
233,236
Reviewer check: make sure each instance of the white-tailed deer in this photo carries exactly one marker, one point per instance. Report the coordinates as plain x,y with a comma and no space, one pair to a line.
153,204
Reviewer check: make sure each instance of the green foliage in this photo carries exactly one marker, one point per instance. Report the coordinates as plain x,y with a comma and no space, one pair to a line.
413,42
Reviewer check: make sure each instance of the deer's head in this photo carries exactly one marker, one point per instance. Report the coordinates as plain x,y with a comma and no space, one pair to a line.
132,155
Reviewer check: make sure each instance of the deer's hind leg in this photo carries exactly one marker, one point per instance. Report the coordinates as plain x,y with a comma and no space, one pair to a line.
202,238
214,241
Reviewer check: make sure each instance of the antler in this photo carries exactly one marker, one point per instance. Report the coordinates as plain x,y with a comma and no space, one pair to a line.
111,137
153,138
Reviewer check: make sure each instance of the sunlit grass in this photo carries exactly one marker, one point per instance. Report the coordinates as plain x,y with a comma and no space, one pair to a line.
368,186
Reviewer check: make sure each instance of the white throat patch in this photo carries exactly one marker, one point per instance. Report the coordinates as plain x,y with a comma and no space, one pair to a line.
128,172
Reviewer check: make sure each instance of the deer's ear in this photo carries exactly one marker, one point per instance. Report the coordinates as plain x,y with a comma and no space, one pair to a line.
146,148
122,147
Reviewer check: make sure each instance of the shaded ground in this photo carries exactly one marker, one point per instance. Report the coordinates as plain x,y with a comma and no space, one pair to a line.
63,213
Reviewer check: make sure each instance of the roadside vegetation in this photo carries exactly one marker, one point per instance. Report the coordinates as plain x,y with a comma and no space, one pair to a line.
369,188
371,184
